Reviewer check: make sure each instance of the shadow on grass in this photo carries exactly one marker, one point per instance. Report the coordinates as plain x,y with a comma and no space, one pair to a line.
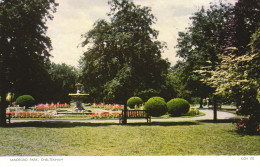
232,120
56,124
59,124
242,134
184,123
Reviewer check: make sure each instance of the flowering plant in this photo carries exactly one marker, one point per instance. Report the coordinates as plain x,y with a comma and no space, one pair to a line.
248,125
105,115
30,115
43,107
113,107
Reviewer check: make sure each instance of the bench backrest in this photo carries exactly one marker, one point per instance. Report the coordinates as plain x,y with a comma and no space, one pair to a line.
136,114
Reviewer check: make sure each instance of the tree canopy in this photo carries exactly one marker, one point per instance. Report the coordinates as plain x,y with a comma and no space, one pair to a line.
237,74
65,78
199,47
220,50
124,55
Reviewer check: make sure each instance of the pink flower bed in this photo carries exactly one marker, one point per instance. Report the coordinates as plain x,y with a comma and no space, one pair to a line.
105,115
114,107
42,107
30,115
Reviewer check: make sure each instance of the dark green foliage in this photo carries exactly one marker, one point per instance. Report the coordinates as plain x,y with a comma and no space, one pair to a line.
178,107
25,49
25,101
199,46
250,106
245,21
124,55
134,101
157,106
64,77
146,94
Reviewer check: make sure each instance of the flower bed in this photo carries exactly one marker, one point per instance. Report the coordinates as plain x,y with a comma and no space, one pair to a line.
30,115
105,115
43,107
113,107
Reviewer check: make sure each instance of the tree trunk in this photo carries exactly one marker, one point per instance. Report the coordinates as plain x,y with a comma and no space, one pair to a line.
201,102
125,112
215,108
3,91
3,106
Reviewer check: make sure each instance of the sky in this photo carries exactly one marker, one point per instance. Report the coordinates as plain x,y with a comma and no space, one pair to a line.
76,17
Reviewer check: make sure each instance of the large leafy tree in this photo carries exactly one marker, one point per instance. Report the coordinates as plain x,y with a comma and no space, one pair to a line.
65,77
124,55
24,47
237,75
199,47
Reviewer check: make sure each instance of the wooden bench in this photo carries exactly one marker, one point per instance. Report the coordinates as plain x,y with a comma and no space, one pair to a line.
8,116
134,114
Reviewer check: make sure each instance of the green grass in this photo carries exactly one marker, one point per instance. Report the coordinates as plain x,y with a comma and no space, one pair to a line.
88,139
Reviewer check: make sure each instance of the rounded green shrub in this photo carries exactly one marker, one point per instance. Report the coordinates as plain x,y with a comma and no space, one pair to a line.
178,107
25,101
134,101
158,98
157,106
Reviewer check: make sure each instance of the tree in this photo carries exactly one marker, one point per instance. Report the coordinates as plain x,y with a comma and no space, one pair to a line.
199,47
24,47
124,55
243,23
237,75
65,77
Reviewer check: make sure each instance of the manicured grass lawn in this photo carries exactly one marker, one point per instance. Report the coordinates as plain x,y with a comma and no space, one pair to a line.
87,139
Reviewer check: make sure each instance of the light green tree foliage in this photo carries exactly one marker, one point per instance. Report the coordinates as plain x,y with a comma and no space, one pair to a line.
237,73
123,56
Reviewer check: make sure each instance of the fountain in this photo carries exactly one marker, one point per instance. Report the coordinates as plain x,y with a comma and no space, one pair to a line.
78,97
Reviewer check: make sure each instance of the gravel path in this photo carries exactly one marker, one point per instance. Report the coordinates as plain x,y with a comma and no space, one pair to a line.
209,116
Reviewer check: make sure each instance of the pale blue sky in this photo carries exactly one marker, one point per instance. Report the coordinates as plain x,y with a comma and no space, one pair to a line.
76,17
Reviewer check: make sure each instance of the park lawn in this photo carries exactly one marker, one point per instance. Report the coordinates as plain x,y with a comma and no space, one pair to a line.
89,139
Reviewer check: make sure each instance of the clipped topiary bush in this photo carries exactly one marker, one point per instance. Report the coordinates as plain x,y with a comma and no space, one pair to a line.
158,98
134,101
178,107
157,106
25,101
